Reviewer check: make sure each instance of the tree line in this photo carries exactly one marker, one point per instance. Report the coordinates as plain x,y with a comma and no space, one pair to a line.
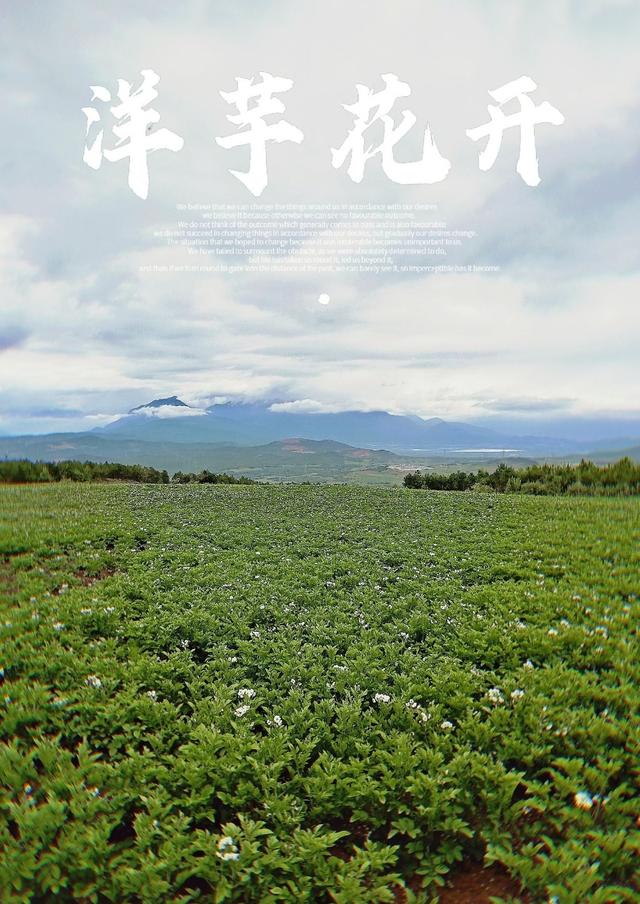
24,471
209,477
622,478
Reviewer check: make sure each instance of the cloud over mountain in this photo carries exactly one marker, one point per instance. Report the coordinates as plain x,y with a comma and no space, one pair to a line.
87,326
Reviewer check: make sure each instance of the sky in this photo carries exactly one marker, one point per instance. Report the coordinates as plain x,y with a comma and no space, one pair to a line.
88,330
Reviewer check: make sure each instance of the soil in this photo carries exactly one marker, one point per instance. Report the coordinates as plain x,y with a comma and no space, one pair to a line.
475,884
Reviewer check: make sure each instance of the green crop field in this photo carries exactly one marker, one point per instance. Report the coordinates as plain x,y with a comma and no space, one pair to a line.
317,694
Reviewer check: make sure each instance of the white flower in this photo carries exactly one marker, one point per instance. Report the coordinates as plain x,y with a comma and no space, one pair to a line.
255,633
446,725
242,710
277,720
517,694
528,664
246,693
227,849
109,609
583,800
381,698
412,704
153,695
93,681
495,695
58,626
85,612
552,632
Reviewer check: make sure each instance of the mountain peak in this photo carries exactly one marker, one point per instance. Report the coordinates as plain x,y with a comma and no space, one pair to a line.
161,403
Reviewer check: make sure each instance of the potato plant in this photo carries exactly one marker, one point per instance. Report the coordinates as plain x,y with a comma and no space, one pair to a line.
316,694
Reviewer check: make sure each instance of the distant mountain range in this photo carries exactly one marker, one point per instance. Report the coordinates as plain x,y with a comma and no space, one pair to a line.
240,423
278,441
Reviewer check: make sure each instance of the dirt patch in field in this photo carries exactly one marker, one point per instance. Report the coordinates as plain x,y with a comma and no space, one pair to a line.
297,447
8,582
400,895
475,884
90,579
86,578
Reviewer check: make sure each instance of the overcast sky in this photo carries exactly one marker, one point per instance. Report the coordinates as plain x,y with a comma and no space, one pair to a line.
85,334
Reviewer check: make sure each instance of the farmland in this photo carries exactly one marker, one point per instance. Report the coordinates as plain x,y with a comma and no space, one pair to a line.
317,694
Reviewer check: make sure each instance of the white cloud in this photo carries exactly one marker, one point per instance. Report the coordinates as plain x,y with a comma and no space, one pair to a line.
81,324
301,406
163,412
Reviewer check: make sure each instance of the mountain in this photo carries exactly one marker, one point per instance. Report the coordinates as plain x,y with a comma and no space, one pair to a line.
290,459
171,420
255,423
171,402
361,428
169,433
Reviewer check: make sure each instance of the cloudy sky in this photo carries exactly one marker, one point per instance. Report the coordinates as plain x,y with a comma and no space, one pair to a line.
87,330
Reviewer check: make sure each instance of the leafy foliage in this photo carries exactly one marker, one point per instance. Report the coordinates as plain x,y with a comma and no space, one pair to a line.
585,479
209,477
25,471
315,694
45,472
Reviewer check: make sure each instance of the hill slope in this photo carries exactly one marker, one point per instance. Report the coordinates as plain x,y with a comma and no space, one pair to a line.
290,459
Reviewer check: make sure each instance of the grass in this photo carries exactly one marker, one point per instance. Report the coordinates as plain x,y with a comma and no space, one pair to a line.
286,694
